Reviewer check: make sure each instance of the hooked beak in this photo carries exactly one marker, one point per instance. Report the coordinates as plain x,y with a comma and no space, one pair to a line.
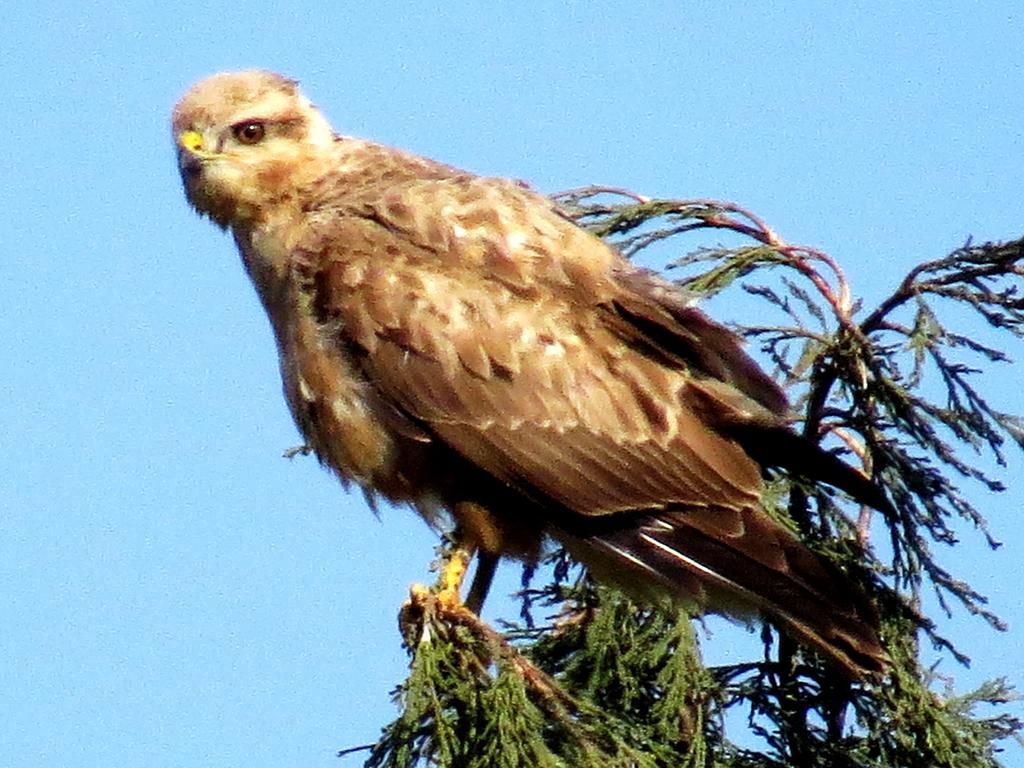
191,141
191,153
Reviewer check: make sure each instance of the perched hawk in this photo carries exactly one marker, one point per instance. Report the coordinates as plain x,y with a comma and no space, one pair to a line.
454,343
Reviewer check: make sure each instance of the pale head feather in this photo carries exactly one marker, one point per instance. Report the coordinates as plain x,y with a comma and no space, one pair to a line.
234,182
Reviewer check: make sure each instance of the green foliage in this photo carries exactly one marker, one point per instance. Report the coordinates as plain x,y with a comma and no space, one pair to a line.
625,689
608,683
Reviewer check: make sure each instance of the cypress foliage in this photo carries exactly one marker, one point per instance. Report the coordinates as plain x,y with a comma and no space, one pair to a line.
599,681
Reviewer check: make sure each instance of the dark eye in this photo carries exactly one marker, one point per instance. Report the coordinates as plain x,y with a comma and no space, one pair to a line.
249,132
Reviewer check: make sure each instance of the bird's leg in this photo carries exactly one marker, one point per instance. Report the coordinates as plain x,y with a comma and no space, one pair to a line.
445,597
453,572
476,532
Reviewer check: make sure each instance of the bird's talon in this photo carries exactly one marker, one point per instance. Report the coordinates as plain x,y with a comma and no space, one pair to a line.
411,615
418,593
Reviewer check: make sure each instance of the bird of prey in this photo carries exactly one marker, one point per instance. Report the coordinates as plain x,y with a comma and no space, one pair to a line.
455,343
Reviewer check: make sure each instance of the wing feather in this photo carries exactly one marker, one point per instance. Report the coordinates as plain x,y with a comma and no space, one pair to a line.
536,386
595,390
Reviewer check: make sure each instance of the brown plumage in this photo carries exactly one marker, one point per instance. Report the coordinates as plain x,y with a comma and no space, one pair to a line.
454,343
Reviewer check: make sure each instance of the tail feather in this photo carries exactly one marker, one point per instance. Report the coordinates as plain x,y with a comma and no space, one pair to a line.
739,562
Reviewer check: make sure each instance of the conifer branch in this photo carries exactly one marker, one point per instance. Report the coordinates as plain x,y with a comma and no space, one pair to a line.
602,682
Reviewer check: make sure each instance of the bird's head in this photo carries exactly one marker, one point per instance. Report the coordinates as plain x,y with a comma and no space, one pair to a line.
241,139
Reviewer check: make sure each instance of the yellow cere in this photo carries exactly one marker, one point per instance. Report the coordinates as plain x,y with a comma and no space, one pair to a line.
191,140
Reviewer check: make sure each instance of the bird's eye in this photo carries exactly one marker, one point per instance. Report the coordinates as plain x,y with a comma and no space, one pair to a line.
249,132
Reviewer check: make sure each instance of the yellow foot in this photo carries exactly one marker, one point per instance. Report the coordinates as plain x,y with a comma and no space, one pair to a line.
449,584
426,605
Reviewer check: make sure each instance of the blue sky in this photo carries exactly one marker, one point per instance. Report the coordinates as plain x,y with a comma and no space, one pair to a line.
173,591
